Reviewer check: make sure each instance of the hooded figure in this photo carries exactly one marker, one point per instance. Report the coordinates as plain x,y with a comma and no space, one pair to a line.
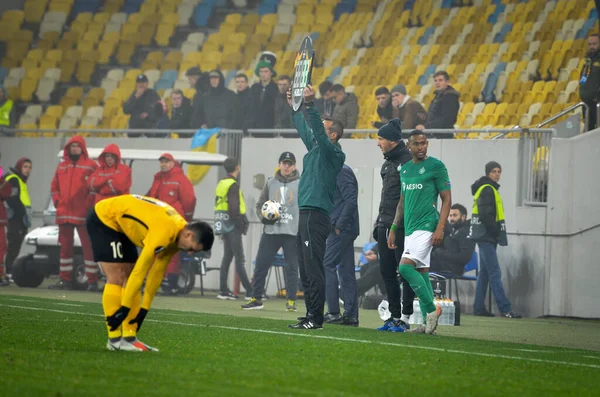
112,178
70,195
18,208
7,110
264,93
218,102
5,193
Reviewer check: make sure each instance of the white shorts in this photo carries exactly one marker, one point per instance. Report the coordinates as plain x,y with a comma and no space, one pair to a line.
417,247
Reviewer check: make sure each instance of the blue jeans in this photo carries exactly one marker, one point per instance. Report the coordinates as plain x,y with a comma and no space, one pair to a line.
489,271
340,251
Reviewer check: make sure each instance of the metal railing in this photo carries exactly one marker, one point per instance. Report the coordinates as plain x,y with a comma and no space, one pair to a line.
534,155
569,110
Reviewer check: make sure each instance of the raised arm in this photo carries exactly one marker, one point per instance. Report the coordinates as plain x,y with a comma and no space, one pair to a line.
301,125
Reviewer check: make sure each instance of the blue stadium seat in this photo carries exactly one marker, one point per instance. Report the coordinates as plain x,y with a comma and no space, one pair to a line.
163,84
268,7
490,86
85,6
500,68
345,7
494,17
131,6
334,73
447,3
230,76
425,37
593,14
499,38
202,14
3,73
409,4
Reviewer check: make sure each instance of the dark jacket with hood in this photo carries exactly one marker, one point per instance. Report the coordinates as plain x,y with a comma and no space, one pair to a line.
263,112
590,90
17,210
457,250
385,114
218,105
390,178
443,110
12,116
487,209
198,112
181,117
283,118
108,181
144,104
69,187
242,111
344,215
325,107
346,111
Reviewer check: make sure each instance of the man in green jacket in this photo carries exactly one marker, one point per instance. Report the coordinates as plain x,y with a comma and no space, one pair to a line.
318,184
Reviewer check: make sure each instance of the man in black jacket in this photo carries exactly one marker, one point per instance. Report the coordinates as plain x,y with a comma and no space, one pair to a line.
384,106
395,154
325,104
141,106
458,248
181,114
199,81
218,102
589,81
443,110
488,230
263,93
283,118
243,104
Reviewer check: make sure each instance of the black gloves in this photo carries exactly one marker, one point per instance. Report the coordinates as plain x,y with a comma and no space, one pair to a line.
139,319
265,221
117,319
375,233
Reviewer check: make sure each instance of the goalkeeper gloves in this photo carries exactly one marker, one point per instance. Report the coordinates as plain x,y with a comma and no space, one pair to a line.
115,321
139,319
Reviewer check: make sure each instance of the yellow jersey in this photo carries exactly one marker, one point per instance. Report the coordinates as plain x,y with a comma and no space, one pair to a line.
151,225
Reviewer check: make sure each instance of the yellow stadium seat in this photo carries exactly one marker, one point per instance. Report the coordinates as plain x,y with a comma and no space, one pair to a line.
28,86
54,111
74,93
164,33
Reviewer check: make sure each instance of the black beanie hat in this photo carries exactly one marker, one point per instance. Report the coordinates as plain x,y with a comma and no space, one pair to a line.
490,166
392,131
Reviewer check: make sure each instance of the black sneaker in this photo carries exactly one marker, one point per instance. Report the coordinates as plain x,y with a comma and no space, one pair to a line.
484,313
350,321
512,314
330,318
227,296
306,324
62,285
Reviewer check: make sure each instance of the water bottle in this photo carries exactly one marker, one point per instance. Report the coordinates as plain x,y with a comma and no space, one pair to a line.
384,310
452,313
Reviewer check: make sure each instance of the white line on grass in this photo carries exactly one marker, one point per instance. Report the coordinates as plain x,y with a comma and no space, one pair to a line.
68,304
335,338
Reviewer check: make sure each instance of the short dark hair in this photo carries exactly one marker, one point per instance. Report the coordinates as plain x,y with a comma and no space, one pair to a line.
442,73
415,132
336,126
381,91
230,164
285,77
241,75
461,208
337,88
324,87
594,35
177,91
203,234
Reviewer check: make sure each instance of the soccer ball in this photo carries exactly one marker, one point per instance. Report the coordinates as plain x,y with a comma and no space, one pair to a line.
270,210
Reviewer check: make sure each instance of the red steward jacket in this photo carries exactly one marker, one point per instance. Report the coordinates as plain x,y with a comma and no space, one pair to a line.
108,181
175,189
5,193
70,192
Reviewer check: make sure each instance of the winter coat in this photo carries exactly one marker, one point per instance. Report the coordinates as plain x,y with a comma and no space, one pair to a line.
198,112
144,104
69,188
457,250
174,188
243,107
283,118
443,110
15,207
264,194
385,114
346,111
325,107
344,215
390,190
5,194
181,117
321,165
487,209
112,181
218,105
590,90
411,114
263,112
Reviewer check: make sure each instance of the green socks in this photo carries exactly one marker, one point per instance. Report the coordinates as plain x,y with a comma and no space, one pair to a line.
419,282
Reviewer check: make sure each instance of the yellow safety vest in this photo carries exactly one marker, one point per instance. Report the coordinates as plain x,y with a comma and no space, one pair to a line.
5,112
24,196
478,229
223,224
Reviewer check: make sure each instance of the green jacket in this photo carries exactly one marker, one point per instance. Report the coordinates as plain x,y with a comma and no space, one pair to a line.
321,164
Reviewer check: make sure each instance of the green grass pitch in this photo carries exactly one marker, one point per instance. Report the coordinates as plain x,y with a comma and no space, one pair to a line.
54,345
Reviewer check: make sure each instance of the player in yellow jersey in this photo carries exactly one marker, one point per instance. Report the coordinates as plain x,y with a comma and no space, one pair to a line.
117,226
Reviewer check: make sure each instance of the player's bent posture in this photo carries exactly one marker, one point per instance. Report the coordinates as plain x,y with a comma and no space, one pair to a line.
423,179
117,226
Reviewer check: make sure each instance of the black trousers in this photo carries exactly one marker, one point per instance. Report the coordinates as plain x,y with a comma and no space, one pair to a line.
16,232
267,248
313,230
592,122
389,260
233,247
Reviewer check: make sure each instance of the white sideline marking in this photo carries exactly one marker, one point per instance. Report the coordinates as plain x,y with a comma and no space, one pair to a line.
68,304
262,331
594,357
20,300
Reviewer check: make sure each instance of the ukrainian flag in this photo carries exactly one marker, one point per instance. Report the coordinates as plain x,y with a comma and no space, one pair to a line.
205,140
